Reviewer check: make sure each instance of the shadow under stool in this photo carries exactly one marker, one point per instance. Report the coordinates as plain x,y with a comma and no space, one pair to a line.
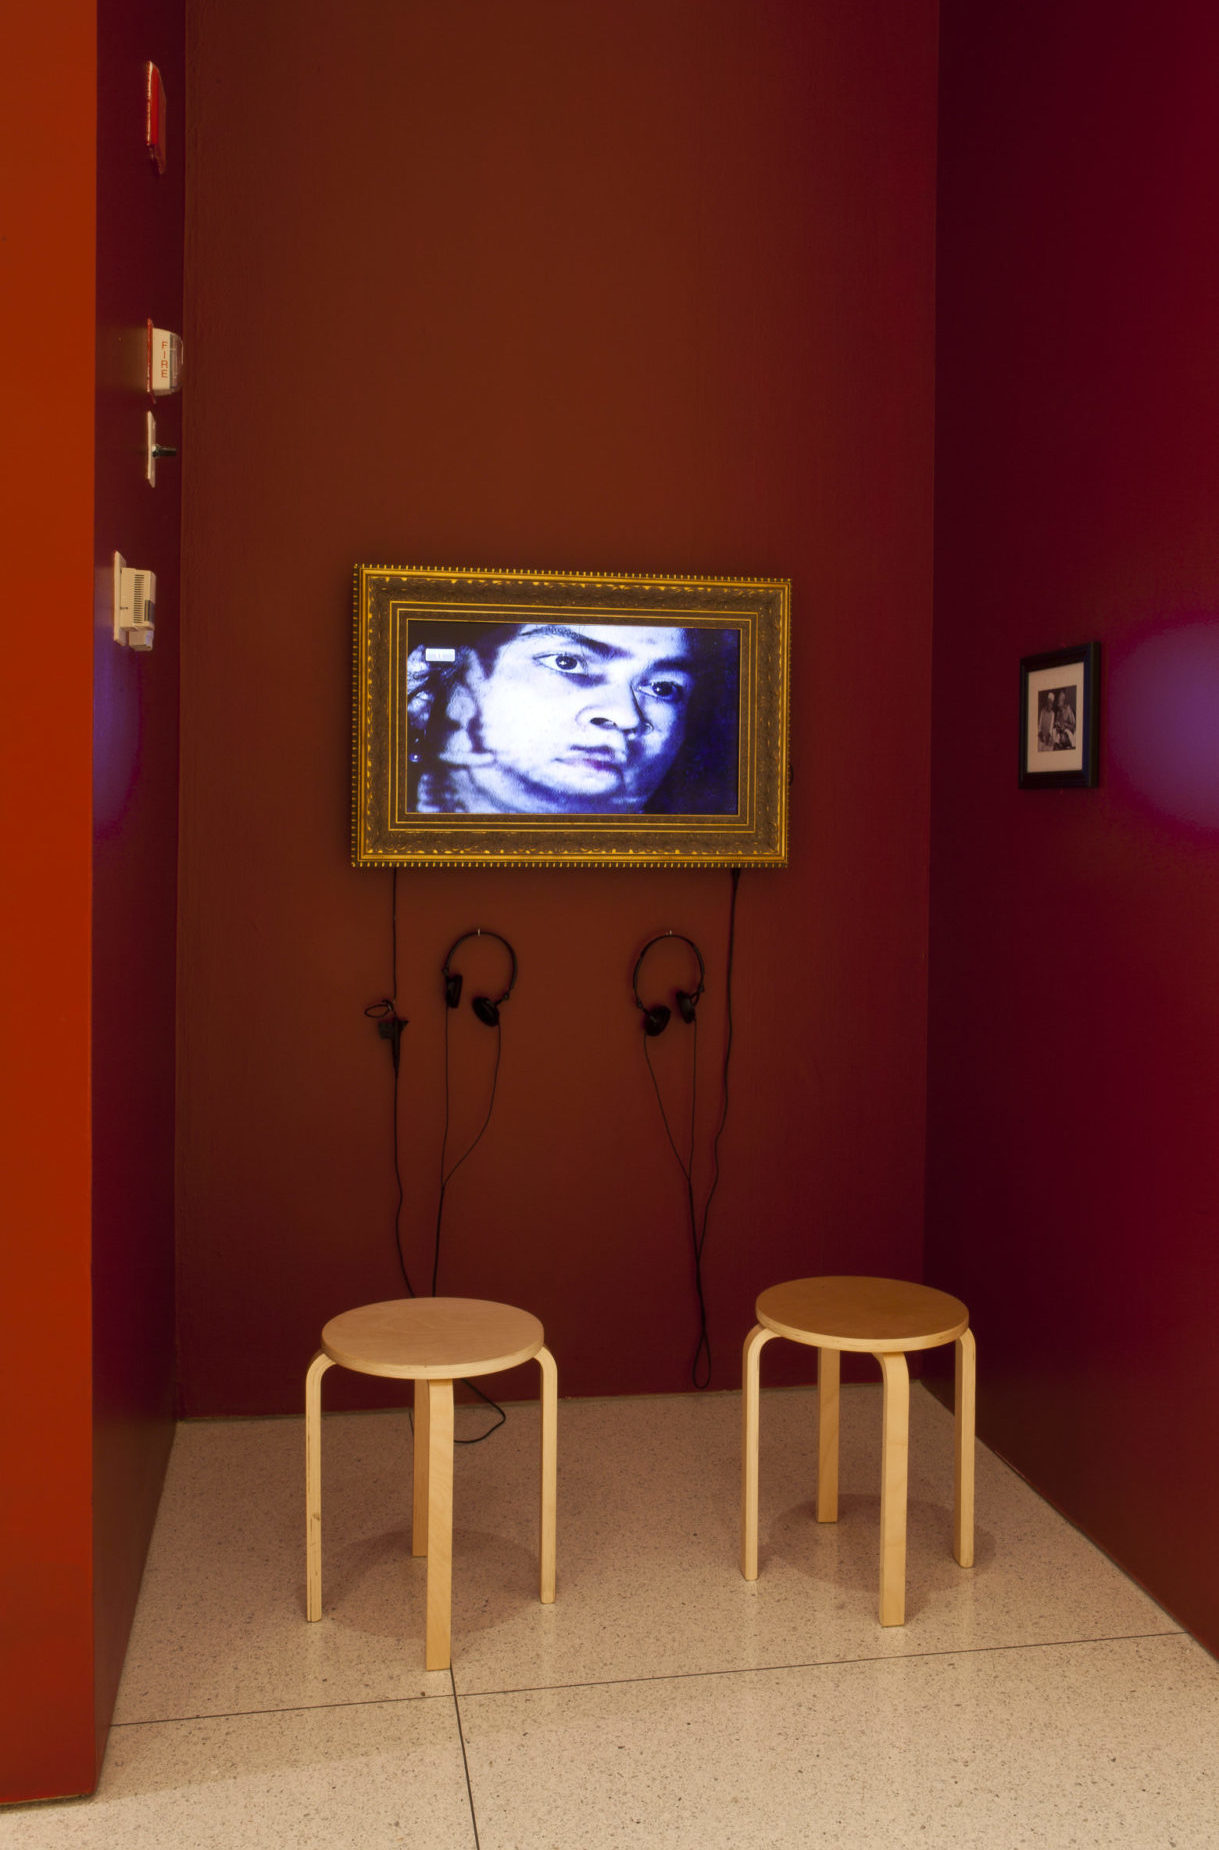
432,1342
887,1318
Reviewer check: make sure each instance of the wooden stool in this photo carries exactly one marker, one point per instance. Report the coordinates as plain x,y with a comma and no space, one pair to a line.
432,1342
883,1317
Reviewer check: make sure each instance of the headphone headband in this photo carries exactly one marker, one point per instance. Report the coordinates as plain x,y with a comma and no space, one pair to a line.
656,1017
662,938
478,932
485,1007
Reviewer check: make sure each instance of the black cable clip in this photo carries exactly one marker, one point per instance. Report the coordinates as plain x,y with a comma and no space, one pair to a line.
389,1025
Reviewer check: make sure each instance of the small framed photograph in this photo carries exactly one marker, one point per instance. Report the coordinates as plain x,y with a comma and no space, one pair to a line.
1059,695
559,719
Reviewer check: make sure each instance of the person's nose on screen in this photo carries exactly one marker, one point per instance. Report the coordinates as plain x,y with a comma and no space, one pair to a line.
618,710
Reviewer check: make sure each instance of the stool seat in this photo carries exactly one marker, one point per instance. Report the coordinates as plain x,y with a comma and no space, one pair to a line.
887,1318
432,1339
862,1314
432,1342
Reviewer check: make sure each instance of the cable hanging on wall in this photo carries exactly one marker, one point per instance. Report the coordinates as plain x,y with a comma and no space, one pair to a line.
655,1019
389,1026
486,1010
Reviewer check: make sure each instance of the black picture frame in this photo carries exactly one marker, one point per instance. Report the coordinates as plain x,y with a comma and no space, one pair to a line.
1059,719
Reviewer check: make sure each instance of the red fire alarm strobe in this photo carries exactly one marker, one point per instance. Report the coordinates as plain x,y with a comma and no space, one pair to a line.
154,121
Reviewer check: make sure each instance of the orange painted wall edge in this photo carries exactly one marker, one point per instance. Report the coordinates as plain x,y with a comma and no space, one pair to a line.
48,152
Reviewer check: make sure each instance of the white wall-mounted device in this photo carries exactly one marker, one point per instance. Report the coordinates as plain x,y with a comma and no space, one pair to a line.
164,361
135,604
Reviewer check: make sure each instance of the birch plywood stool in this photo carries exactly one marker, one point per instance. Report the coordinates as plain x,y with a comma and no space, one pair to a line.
886,1318
432,1342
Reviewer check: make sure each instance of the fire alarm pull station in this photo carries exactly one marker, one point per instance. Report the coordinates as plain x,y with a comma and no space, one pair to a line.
164,361
135,604
154,119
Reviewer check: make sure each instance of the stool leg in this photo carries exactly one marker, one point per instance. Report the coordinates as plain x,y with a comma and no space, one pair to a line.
438,1648
419,1465
313,1484
963,1475
828,1372
750,1397
550,1422
894,1468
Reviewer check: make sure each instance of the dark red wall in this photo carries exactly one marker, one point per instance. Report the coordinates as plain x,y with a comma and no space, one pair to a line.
1073,1188
645,285
135,815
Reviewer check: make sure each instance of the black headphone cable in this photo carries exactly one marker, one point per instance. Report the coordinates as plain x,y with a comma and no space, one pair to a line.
719,1129
389,1026
445,1179
700,1367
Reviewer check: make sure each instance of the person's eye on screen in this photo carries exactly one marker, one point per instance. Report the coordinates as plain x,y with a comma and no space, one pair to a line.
563,661
672,693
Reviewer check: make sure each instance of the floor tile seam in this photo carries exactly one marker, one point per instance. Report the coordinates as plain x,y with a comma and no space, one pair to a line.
286,1708
674,1676
816,1663
465,1763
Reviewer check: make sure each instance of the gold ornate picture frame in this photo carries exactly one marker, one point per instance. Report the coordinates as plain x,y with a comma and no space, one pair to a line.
569,719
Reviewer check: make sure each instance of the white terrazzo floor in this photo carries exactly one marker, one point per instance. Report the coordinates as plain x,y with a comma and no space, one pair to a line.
1038,1699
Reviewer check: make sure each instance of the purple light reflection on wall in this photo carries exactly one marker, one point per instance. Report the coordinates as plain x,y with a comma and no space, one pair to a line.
117,732
1161,731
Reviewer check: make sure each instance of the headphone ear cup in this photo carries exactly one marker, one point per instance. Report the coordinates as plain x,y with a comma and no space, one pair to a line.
655,1020
486,1010
452,989
686,1004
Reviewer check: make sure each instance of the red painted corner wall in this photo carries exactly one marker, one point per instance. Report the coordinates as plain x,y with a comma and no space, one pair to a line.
46,339
1073,1185
88,929
135,824
640,286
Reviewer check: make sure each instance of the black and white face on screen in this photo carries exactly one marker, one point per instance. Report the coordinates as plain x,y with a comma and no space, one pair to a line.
571,718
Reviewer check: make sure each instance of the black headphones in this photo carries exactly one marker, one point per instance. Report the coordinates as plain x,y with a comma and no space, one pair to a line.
656,1018
485,1007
